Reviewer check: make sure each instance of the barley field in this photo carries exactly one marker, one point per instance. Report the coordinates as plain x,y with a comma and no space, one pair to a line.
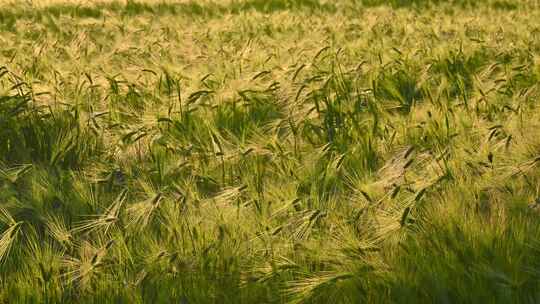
270,151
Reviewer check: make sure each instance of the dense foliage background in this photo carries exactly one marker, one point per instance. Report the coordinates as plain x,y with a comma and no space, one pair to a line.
258,151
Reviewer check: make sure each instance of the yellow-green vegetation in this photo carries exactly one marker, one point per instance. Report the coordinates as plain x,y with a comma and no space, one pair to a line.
270,151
